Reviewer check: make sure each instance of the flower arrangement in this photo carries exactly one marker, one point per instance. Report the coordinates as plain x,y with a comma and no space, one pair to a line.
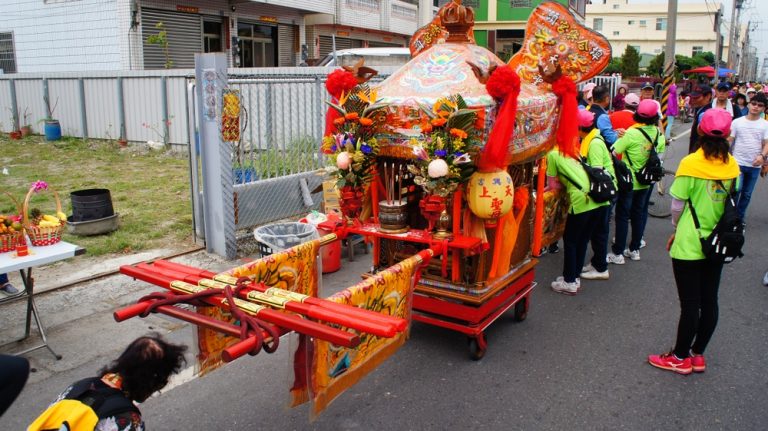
351,146
448,135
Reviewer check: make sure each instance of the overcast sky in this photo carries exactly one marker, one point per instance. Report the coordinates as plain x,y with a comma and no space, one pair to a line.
750,12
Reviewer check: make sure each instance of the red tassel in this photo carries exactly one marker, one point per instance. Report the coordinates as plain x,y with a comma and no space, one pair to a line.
339,81
568,130
502,84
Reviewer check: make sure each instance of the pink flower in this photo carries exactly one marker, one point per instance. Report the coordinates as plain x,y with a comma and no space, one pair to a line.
420,153
39,186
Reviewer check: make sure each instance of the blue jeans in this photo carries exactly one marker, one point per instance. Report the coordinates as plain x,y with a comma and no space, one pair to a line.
3,279
631,207
578,231
749,176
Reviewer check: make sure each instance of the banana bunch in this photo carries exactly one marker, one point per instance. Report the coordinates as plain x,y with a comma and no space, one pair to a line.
51,221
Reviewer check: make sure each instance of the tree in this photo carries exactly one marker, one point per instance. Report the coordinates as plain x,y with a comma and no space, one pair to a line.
656,66
630,62
613,67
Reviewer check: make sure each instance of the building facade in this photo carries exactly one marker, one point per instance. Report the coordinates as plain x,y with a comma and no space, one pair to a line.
644,26
82,35
500,25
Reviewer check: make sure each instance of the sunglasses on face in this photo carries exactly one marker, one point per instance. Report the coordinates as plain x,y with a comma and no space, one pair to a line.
759,105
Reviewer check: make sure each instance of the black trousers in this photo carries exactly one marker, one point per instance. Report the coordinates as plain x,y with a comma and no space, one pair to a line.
697,284
13,376
578,231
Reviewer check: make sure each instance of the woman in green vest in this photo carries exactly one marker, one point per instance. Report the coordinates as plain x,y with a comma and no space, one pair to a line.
583,217
703,180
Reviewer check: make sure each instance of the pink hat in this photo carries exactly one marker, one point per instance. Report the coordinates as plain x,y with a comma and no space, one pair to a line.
585,118
715,122
588,87
632,99
647,108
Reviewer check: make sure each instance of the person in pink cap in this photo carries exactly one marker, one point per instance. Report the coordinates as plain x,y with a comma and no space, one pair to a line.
584,213
586,94
635,148
702,181
624,119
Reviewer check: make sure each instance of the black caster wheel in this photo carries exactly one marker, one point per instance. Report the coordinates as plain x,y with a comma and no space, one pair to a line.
521,310
477,346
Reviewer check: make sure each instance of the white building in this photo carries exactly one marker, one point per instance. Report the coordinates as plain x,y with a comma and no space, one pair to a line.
644,26
86,35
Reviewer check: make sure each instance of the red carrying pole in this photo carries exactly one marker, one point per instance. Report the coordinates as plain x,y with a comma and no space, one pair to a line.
386,329
291,322
359,313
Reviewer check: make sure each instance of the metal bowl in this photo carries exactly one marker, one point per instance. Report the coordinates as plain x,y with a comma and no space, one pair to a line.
93,227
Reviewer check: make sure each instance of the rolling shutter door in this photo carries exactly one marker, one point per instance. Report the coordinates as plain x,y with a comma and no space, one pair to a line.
326,44
375,44
184,35
285,42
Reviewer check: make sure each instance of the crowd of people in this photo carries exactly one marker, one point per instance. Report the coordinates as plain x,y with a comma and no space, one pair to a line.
727,153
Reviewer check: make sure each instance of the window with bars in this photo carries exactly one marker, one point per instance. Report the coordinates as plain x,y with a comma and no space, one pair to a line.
7,53
697,50
520,3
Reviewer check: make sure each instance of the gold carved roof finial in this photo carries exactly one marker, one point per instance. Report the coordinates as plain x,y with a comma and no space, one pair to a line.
458,20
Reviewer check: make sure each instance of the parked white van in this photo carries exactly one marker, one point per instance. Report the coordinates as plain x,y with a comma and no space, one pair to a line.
374,57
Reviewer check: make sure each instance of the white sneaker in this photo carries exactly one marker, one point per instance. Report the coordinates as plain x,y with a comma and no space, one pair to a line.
642,243
588,267
634,254
561,286
594,274
616,259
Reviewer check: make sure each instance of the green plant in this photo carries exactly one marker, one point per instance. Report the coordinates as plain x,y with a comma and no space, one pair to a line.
161,39
630,62
50,110
26,116
150,189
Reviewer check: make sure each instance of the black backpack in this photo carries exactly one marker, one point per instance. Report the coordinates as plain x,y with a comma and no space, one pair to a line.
601,187
623,175
724,244
85,404
653,171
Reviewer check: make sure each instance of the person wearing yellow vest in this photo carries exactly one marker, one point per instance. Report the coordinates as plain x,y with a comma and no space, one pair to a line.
635,146
703,180
583,216
595,152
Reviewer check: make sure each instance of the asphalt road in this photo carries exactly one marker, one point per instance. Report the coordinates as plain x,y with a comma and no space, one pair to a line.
575,363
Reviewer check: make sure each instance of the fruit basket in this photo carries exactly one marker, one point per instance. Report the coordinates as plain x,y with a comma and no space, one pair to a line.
11,230
43,229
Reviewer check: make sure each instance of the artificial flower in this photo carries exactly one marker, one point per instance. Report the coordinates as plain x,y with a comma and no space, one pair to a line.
343,161
437,122
437,168
339,121
458,133
352,116
39,186
366,122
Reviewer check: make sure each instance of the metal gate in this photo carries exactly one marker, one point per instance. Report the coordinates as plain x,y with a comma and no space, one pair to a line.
275,170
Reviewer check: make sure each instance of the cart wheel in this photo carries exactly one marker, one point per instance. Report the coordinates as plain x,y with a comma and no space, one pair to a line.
477,346
521,310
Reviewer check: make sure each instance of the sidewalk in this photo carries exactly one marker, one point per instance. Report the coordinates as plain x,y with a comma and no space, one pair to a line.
79,324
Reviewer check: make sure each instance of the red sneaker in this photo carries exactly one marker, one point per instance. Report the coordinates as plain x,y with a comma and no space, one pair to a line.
670,362
698,363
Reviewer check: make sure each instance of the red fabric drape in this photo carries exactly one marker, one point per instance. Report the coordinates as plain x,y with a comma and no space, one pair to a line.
568,129
503,84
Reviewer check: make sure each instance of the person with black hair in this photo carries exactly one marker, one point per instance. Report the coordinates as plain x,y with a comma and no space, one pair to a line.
701,101
702,181
601,99
142,369
749,145
632,206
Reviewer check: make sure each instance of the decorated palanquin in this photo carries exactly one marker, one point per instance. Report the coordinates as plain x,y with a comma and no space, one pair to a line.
484,211
441,168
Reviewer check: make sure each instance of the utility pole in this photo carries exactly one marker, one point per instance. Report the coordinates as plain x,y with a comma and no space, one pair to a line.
733,35
669,59
718,42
